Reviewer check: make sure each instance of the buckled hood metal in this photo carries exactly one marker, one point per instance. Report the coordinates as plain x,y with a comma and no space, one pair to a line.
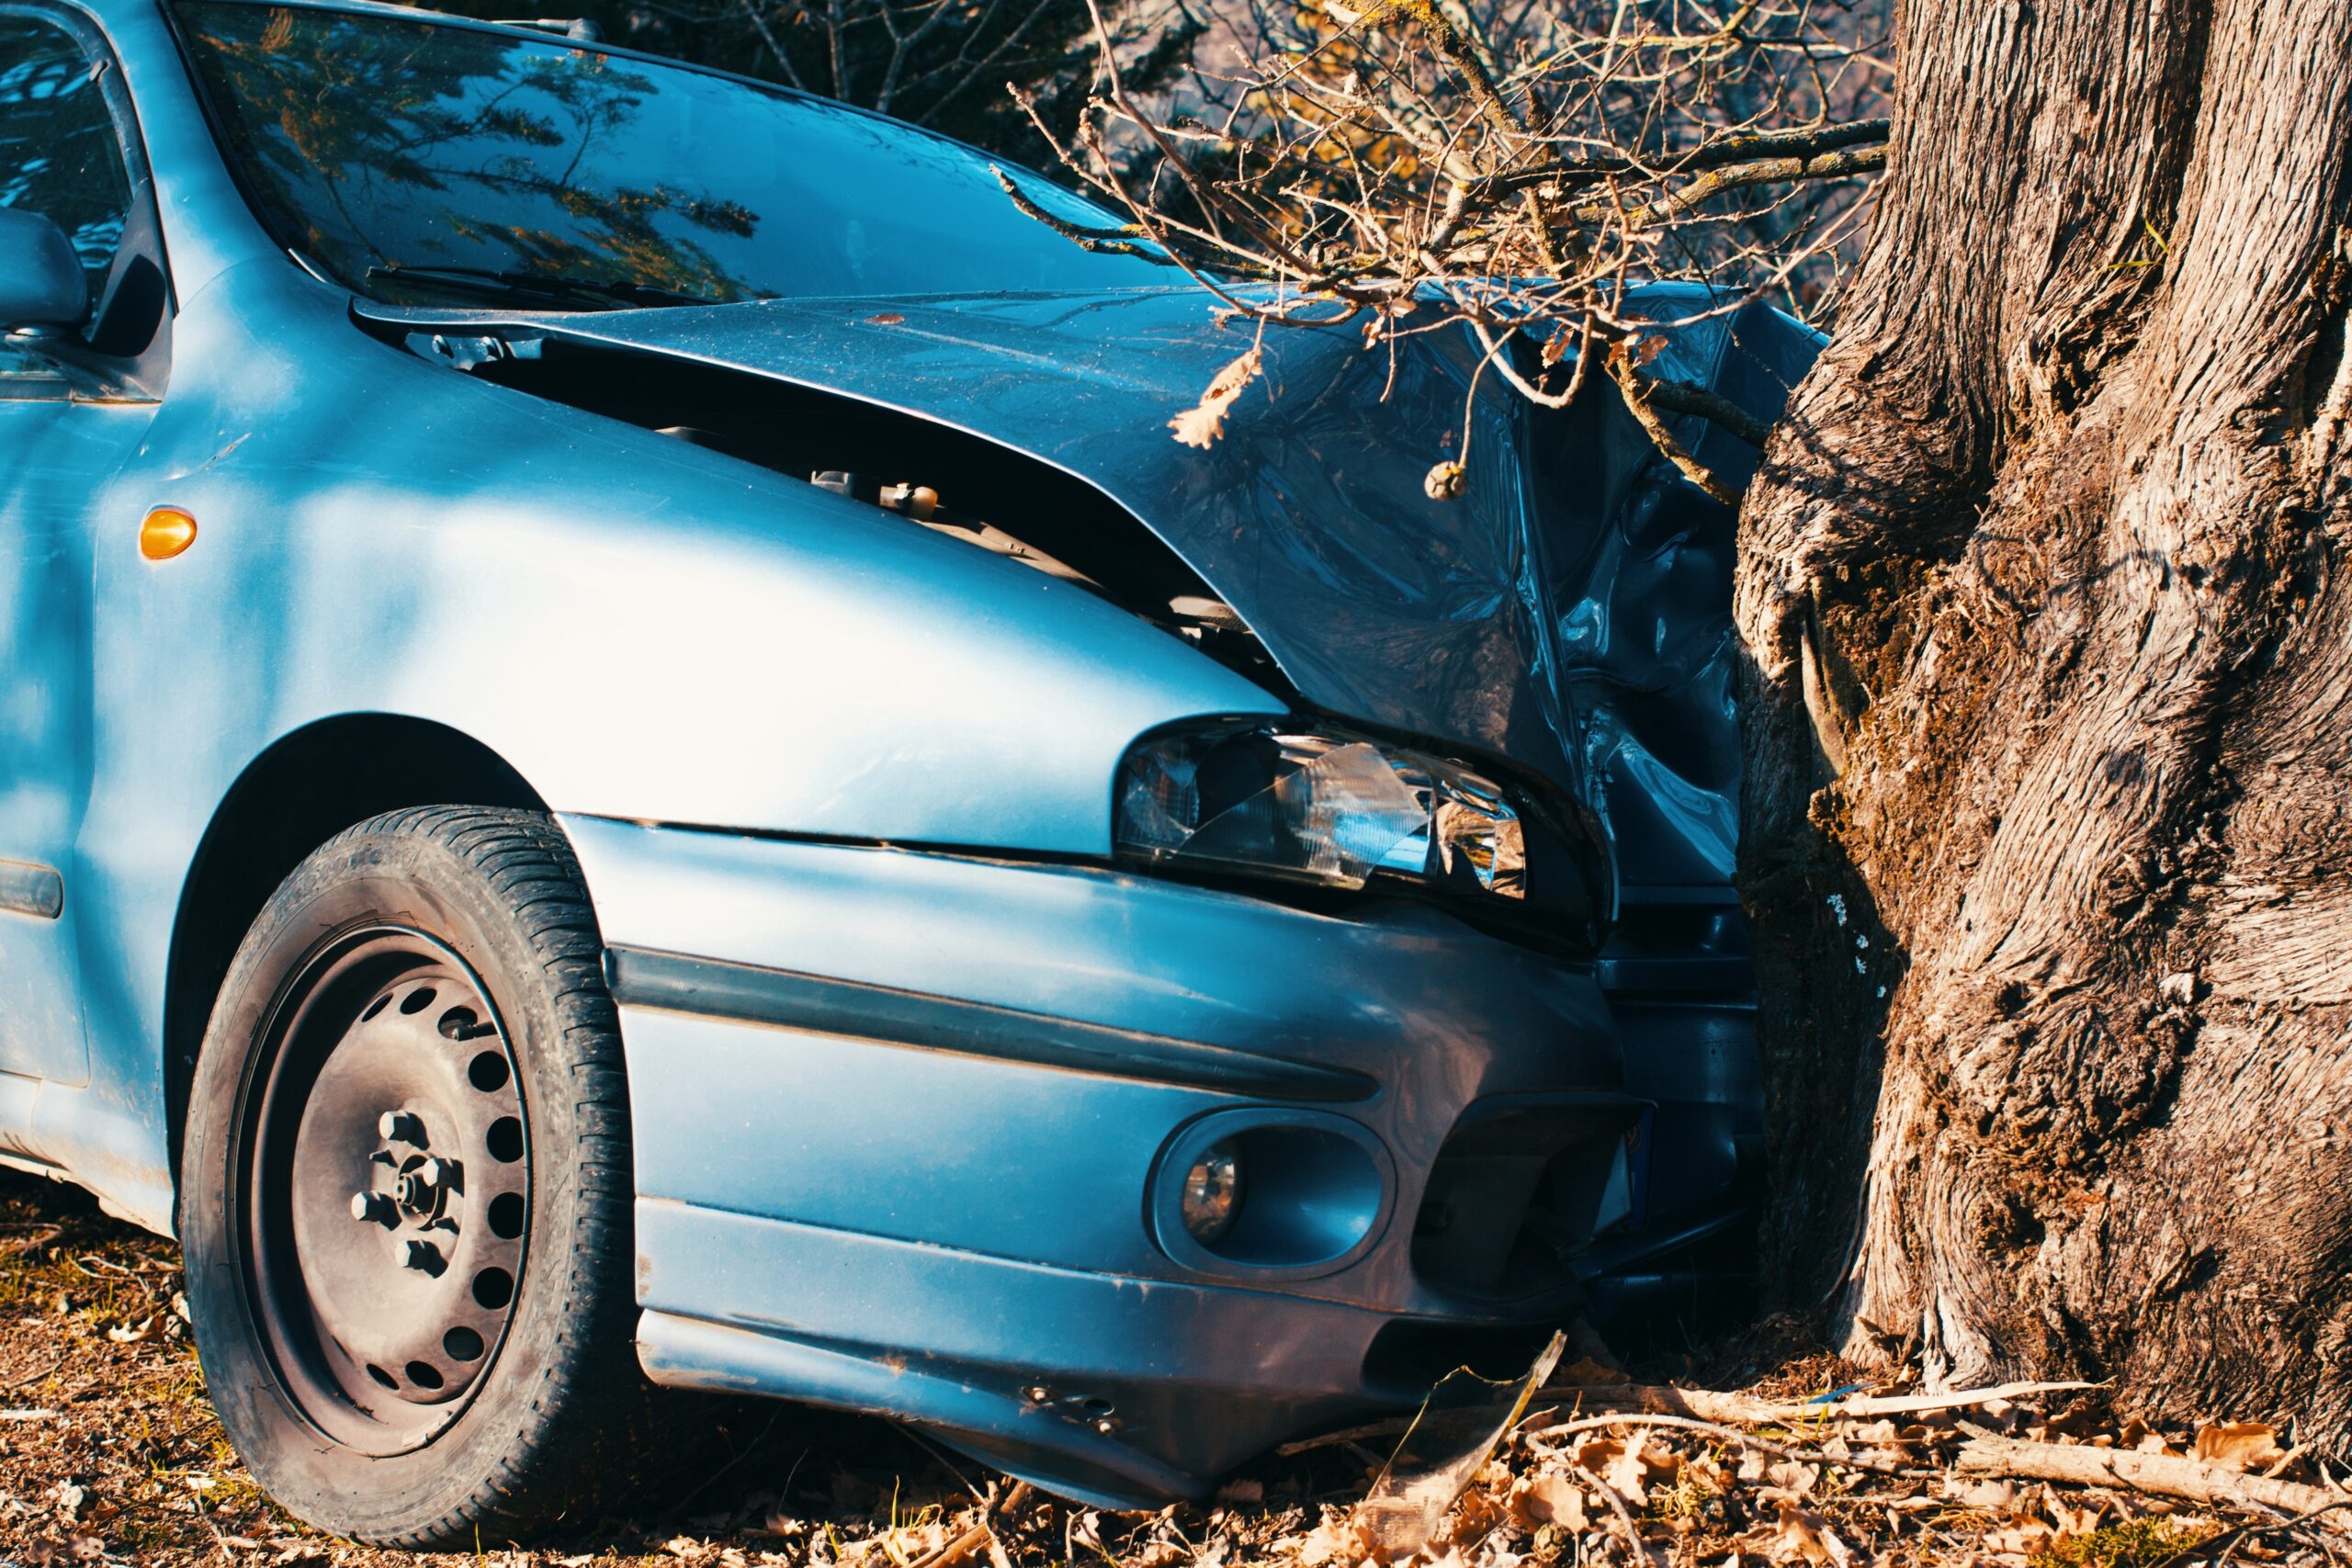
1569,611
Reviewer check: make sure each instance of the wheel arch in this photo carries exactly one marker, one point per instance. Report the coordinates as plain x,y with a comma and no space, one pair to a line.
308,786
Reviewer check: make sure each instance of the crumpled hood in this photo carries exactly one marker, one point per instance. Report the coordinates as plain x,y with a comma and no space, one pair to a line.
1569,612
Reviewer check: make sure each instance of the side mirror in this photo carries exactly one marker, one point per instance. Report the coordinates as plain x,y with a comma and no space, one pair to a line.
41,282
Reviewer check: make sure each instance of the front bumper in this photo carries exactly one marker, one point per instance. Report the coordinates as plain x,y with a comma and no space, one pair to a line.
903,1125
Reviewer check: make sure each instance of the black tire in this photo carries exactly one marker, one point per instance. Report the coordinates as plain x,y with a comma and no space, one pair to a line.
543,1412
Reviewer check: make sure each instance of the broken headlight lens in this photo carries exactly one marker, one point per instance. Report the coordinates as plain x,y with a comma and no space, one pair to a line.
1327,806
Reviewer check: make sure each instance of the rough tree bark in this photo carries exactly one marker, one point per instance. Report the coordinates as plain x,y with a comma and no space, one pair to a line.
2049,753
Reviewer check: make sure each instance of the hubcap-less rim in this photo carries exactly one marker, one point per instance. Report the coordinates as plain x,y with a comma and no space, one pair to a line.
386,1200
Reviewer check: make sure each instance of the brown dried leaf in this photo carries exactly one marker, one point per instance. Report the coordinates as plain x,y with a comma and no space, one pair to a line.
1204,422
1585,1373
1548,1499
1596,1451
1801,1537
1993,1496
2026,1538
1336,1539
2239,1445
2071,1520
1641,1466
138,1333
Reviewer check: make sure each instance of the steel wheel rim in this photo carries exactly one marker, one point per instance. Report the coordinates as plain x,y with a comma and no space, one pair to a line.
385,1196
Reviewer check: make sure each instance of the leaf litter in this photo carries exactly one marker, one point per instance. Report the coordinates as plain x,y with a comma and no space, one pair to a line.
1810,1463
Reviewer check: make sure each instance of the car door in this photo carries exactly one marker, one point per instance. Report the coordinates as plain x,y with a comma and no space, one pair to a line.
72,410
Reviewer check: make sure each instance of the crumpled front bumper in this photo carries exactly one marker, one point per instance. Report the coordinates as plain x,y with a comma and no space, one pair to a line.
908,1129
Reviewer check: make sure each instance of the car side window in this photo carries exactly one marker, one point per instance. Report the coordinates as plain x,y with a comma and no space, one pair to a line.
60,155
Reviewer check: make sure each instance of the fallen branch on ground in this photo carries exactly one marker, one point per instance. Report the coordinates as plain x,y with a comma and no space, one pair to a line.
2164,1475
1729,1434
1707,1405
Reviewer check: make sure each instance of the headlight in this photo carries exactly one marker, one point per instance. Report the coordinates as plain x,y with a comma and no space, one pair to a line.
1327,806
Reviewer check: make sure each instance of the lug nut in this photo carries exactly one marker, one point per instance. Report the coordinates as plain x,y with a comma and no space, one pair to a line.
425,1256
401,1127
372,1206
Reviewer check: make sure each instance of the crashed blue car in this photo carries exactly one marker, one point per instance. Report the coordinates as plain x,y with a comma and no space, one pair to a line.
630,757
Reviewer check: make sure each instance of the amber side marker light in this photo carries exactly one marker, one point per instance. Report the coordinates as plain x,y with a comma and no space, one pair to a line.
166,532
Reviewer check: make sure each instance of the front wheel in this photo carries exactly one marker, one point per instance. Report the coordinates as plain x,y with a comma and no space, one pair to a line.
406,1188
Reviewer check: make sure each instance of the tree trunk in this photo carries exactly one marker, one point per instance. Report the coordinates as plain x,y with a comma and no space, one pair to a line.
2050,719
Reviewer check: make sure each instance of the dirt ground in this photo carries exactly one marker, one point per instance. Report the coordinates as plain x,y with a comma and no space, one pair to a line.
110,1453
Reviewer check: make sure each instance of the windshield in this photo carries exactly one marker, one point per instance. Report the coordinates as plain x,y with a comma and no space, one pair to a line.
381,144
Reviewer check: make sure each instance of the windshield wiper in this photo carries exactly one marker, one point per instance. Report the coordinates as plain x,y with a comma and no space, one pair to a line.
620,291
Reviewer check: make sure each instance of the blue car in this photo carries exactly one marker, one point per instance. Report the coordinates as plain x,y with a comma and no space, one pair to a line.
630,757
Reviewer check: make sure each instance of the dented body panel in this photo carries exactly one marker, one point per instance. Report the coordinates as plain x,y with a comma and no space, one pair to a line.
967,1217
1570,612
910,1054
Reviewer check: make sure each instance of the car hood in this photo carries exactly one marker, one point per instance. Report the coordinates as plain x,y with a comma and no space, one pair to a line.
1568,612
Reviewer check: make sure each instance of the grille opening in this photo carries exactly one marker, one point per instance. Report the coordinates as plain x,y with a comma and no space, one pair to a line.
1520,1187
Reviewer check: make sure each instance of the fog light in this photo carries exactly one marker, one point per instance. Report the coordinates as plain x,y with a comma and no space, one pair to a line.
1213,1192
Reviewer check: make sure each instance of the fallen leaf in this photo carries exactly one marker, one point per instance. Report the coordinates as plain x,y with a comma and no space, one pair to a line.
1201,424
1585,1373
1548,1499
1336,1539
1596,1451
1641,1466
1993,1496
2026,1538
2239,1445
1801,1537
2076,1521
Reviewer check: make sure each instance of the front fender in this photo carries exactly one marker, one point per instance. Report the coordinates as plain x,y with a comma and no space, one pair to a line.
641,629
